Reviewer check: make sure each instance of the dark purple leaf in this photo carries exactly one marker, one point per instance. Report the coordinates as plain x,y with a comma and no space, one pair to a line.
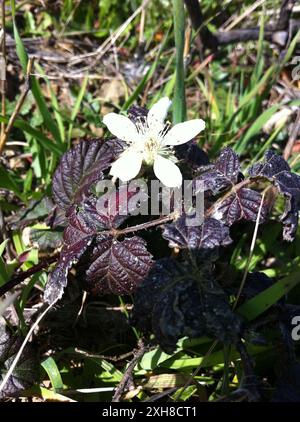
135,113
176,300
104,213
290,219
223,174
277,170
272,165
27,369
192,155
243,204
81,167
69,256
87,220
210,234
57,218
117,266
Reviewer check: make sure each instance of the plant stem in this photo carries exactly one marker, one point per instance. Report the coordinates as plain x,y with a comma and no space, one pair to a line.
179,104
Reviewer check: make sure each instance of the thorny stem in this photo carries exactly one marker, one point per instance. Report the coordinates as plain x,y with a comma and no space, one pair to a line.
144,226
127,377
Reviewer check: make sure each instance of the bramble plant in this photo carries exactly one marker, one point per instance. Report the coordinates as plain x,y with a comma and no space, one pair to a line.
180,293
149,248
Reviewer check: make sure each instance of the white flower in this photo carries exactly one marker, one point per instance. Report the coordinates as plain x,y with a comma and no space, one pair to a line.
151,140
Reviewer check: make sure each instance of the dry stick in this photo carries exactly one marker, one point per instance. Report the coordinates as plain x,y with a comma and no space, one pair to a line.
128,373
205,37
106,45
3,69
18,105
292,139
19,277
278,35
285,14
241,17
252,34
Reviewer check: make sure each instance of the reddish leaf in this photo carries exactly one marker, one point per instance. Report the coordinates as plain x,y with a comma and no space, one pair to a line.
117,266
81,167
243,204
210,234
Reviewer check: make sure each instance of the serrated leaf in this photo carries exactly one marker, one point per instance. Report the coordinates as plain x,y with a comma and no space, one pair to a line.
173,302
117,266
223,174
80,168
212,233
244,204
277,170
70,255
86,221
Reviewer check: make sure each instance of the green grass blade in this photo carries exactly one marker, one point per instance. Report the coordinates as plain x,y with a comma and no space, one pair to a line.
179,103
77,105
39,136
264,300
52,370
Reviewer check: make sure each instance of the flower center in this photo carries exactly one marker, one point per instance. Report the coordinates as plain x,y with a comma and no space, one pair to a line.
151,149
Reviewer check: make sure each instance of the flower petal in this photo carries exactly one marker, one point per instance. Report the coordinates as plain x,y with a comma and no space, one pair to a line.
167,172
183,132
127,166
121,127
157,114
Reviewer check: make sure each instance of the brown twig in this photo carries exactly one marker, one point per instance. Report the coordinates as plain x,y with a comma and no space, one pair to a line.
205,38
127,377
21,276
18,105
110,358
278,34
285,14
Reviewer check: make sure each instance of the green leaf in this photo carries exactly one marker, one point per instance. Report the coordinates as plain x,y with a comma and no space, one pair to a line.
52,370
256,127
38,135
264,300
7,182
35,86
77,105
